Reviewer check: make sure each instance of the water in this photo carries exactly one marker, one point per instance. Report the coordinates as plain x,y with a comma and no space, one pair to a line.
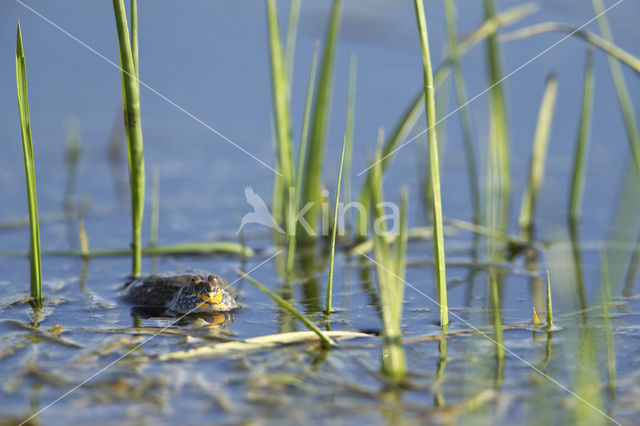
211,60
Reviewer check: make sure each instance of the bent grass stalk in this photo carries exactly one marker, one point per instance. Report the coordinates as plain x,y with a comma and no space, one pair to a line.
539,154
624,99
29,170
438,240
582,142
133,131
312,180
608,47
334,231
326,340
415,108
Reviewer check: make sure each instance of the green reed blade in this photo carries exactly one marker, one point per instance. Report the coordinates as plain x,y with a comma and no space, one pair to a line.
495,22
280,95
606,46
291,232
415,108
133,131
438,240
334,232
29,169
400,249
539,153
134,35
465,120
549,303
442,95
582,141
351,118
290,42
499,158
327,341
624,99
312,180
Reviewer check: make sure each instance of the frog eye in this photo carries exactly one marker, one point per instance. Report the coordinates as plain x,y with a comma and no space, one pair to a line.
212,279
194,280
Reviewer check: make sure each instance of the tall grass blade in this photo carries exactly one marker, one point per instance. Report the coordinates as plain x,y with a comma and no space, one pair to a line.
133,131
351,118
465,120
313,162
582,142
334,231
499,168
292,33
415,108
626,106
134,35
29,170
539,153
290,308
280,92
438,240
301,156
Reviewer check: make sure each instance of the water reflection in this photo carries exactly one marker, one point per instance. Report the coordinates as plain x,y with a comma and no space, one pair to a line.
221,320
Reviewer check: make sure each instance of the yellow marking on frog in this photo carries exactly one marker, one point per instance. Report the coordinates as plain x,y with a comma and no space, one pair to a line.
213,300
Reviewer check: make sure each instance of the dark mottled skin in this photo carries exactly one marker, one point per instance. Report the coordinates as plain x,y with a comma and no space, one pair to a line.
179,292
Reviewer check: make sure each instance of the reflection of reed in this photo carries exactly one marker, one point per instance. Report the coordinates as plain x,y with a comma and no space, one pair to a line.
115,155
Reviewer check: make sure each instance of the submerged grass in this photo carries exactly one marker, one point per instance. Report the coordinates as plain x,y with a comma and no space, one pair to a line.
538,154
327,341
549,303
133,128
312,181
582,142
29,170
390,268
438,240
